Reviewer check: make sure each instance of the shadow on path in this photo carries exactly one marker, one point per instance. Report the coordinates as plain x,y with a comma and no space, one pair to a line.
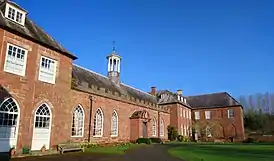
72,157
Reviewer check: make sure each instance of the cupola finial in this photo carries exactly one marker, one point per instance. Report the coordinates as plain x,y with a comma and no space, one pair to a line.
113,46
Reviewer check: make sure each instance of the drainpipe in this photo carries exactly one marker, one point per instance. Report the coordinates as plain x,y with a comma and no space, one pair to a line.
159,123
90,118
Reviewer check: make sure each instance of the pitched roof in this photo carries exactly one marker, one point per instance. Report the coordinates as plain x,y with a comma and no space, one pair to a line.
166,96
222,99
83,76
31,31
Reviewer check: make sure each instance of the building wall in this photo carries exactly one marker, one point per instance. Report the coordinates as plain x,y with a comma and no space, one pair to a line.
28,90
228,126
177,119
30,93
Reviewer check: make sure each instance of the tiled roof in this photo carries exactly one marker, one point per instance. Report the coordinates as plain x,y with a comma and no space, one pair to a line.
165,96
213,100
85,76
30,31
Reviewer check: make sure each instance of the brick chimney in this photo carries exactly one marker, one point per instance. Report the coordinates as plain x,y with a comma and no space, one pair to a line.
179,92
153,91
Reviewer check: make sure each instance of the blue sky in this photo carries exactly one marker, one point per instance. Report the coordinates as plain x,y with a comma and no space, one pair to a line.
197,46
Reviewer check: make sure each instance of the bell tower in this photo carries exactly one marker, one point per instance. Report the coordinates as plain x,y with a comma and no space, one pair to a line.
114,63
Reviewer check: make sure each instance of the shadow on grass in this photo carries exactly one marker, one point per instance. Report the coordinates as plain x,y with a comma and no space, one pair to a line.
237,151
4,157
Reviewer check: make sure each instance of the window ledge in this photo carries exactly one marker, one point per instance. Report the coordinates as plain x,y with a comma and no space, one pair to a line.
114,136
77,136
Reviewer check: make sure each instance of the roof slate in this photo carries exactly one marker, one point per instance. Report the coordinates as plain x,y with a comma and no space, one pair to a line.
168,97
31,31
213,100
82,76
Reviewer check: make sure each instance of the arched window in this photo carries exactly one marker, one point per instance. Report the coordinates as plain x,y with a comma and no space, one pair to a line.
98,123
154,127
162,128
208,131
42,117
114,124
9,113
78,122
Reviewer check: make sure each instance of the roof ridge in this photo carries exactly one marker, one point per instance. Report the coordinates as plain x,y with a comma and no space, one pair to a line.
109,80
207,94
89,70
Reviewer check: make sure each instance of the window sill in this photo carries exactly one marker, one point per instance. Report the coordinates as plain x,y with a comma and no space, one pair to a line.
77,136
114,136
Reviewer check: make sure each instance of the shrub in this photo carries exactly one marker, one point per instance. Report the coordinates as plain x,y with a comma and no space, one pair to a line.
156,140
182,138
249,140
172,133
143,140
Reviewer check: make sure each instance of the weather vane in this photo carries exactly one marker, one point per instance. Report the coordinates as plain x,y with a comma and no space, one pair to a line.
113,48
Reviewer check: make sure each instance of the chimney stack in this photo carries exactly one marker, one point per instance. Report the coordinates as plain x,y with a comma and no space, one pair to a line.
153,91
179,92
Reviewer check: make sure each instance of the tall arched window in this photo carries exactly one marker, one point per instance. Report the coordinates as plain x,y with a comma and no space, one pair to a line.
78,122
42,117
114,124
162,128
9,113
154,127
98,123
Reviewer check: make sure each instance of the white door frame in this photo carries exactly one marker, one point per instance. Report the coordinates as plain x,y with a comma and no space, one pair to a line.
50,122
17,123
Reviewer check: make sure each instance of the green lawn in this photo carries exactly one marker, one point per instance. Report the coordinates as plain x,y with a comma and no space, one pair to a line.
112,149
224,152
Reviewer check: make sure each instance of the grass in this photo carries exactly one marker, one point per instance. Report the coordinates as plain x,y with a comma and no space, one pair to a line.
119,150
223,152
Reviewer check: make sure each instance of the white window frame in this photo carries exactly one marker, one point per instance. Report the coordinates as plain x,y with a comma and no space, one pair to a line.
117,124
228,113
197,115
23,73
208,131
189,114
181,111
95,123
54,72
77,126
154,127
162,128
17,10
10,107
208,115
184,113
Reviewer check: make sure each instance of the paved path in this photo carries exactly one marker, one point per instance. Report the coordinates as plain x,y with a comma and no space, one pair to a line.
154,152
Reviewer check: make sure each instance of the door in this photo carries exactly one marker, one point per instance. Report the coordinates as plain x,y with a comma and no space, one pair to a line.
42,127
144,129
9,123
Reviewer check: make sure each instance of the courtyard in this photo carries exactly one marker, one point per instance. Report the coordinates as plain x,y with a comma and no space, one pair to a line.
168,152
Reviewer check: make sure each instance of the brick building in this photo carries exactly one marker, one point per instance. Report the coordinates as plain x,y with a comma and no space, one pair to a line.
45,99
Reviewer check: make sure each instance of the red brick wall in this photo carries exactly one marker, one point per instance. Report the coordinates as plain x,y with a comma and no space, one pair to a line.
30,93
232,126
177,119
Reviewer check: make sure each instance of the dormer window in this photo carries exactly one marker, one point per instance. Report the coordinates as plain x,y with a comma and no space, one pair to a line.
15,14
